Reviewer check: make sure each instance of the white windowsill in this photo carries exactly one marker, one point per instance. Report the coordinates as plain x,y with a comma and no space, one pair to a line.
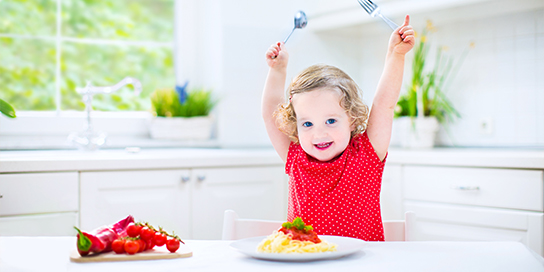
50,130
113,142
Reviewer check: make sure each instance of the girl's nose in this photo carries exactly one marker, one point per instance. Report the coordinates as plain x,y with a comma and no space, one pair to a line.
321,131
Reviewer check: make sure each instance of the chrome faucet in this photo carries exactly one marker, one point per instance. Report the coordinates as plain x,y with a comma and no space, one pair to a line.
88,139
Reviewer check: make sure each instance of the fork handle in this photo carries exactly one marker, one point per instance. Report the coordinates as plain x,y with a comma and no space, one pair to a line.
389,22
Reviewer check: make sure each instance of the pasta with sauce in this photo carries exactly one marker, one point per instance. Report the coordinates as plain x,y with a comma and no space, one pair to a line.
279,242
294,237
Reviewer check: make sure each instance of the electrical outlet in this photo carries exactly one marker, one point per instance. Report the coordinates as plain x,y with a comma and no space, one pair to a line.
486,126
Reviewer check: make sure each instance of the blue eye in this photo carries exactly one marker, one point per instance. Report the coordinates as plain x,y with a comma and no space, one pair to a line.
307,124
330,121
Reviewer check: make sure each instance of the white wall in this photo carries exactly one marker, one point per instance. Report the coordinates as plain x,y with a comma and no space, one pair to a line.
223,45
502,81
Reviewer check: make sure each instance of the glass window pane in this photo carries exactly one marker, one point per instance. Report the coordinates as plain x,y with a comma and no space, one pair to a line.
27,73
36,17
143,20
105,65
28,64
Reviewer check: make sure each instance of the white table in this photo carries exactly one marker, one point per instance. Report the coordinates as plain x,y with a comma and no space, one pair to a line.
52,254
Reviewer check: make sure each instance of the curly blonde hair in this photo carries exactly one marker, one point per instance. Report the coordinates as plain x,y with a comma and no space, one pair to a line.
323,76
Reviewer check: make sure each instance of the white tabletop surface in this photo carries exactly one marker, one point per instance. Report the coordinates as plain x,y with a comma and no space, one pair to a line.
52,254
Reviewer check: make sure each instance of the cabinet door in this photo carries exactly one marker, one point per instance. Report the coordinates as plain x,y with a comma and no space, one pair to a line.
39,204
253,192
160,197
500,188
51,224
445,222
38,193
391,193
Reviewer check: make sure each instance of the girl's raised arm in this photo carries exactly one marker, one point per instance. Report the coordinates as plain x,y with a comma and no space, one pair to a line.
380,121
274,95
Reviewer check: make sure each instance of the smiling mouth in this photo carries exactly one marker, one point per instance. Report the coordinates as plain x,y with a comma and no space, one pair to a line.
323,146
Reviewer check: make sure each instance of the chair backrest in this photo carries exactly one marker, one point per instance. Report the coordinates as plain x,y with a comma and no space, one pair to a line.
235,228
400,230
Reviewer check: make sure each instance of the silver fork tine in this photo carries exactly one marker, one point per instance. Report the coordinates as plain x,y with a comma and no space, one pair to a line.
365,6
374,6
374,10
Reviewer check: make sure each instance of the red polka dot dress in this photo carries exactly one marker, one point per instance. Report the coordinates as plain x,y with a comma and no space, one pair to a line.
340,197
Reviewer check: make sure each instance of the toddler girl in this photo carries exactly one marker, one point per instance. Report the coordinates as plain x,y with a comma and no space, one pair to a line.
333,147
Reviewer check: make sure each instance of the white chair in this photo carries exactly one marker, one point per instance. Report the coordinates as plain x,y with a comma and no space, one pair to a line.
400,230
235,228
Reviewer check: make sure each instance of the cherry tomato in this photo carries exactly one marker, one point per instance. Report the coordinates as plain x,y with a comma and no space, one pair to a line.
172,244
118,246
147,234
142,245
133,230
150,244
160,239
132,247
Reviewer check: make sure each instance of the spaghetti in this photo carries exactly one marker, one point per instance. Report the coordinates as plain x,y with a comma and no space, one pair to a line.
279,242
294,237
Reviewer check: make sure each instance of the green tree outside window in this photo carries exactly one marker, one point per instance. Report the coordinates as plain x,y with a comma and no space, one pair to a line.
99,41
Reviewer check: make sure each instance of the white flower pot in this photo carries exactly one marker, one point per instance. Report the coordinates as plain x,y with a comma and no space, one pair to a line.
182,128
417,132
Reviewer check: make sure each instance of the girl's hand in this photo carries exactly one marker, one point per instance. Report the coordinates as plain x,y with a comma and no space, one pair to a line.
277,56
403,38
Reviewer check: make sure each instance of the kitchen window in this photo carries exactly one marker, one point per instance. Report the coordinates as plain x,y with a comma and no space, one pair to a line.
48,48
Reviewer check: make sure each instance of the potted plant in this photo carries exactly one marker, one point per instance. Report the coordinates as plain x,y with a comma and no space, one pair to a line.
7,109
424,106
182,115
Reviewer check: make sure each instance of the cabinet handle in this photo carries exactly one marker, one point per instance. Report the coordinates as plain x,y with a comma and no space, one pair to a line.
466,188
185,179
200,178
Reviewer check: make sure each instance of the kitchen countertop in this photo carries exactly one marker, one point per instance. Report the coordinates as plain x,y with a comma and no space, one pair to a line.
168,158
52,254
121,159
470,157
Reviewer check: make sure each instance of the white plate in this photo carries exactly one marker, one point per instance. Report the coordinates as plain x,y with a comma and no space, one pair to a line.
345,246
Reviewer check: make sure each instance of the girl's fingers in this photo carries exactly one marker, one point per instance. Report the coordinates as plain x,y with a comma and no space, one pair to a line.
274,50
409,39
405,24
409,32
406,20
406,30
270,54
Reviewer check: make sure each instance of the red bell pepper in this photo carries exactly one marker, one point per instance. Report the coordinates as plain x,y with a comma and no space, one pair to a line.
100,239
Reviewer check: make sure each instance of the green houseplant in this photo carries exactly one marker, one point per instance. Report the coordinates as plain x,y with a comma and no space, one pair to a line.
166,103
7,109
182,115
424,106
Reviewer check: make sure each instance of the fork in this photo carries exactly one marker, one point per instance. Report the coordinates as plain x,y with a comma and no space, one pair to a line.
374,10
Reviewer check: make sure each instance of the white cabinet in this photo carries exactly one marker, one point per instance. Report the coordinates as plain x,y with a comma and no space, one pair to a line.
446,222
462,203
189,202
253,192
39,203
501,188
160,197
